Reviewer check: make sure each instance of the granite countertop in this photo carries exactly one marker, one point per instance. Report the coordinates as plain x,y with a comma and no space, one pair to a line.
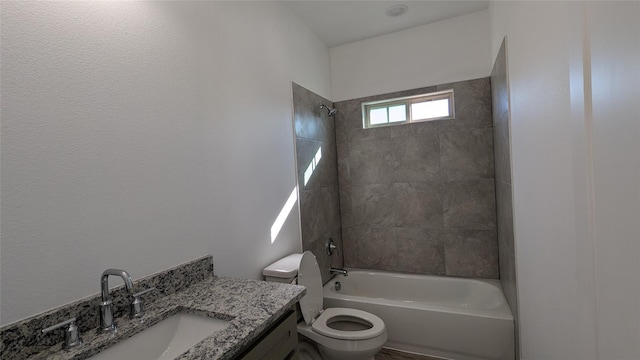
251,306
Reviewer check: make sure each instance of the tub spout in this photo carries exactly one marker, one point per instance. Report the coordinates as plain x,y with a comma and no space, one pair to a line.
336,271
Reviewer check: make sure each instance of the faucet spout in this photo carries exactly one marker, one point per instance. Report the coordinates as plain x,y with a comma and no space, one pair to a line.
104,283
106,305
336,271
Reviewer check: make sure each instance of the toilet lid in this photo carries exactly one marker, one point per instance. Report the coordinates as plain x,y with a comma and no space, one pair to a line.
309,277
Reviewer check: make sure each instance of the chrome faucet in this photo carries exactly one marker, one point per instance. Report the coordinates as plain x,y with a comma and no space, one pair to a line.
336,271
106,305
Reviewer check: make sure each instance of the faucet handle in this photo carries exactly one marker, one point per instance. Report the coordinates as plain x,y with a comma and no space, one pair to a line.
71,335
137,305
145,291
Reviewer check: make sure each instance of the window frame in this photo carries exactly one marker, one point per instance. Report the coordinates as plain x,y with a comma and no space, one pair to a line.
407,101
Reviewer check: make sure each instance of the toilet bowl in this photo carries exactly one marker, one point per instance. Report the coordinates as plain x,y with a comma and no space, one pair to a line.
339,333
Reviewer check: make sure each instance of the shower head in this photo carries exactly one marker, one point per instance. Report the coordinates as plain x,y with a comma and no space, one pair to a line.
330,111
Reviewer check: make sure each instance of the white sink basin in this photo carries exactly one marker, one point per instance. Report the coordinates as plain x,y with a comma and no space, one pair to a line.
165,340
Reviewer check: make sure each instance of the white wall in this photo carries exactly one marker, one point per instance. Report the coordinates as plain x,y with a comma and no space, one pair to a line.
615,66
575,130
446,51
140,135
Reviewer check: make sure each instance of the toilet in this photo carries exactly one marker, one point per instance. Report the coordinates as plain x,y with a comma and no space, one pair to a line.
338,333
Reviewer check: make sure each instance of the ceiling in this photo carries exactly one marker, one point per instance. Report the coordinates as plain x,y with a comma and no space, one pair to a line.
339,22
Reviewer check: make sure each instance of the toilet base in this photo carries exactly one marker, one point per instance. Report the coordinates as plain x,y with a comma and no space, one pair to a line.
307,351
331,354
334,349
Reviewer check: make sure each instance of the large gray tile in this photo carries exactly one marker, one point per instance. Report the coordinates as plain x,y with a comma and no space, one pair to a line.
500,96
415,129
417,250
499,87
504,213
387,160
374,205
346,119
416,158
506,243
311,122
349,246
361,134
507,265
337,259
469,204
344,167
502,153
367,248
471,253
417,205
320,213
467,154
472,99
407,250
346,212
398,204
501,148
320,173
371,162
319,199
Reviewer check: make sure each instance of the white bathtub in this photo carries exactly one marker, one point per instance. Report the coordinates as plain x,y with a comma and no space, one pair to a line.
455,318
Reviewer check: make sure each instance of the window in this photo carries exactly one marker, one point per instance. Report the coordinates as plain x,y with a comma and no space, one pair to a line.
425,107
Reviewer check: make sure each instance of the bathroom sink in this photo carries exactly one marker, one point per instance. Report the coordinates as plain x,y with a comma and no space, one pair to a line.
165,340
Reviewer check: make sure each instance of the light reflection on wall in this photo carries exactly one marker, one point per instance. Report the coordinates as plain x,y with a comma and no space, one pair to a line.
288,206
312,165
284,214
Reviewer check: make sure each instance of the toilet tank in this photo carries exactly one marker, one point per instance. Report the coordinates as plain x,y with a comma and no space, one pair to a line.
284,270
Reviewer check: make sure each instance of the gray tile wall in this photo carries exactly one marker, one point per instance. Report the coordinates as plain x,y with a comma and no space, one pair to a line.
499,88
420,198
319,201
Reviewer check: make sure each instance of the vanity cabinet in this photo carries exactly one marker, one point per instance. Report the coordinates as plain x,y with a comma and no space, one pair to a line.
277,343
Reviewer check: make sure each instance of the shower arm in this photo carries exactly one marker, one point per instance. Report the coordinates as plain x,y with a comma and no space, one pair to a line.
330,111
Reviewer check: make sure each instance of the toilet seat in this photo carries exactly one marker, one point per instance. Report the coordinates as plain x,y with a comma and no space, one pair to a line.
311,306
320,325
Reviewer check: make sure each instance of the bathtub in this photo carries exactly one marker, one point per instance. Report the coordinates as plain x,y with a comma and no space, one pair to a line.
454,318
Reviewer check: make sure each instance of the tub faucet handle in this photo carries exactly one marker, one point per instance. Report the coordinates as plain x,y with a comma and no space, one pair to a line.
330,246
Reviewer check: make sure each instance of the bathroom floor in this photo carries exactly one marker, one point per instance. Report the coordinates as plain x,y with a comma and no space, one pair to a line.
388,354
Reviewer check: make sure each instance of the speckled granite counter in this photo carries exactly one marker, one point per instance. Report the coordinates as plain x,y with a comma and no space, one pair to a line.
252,306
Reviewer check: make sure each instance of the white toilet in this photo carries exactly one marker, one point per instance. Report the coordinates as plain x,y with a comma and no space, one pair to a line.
339,333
